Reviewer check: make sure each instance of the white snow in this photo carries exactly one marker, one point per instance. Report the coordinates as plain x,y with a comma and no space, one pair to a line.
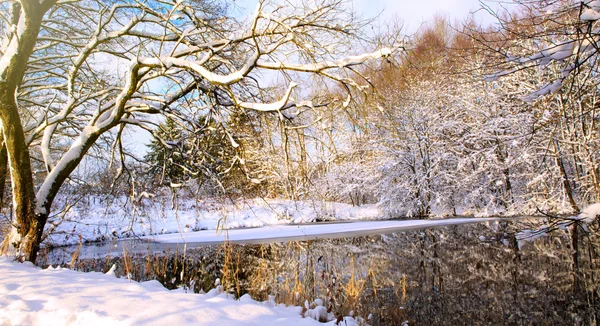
270,107
590,213
33,296
257,220
589,15
340,63
595,4
497,75
311,231
11,49
196,66
561,55
555,86
97,218
546,89
559,51
386,52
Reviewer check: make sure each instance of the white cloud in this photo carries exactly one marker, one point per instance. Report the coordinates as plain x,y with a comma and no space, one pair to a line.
414,13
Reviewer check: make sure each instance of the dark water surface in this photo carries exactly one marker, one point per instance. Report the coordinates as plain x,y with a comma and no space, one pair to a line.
459,275
145,245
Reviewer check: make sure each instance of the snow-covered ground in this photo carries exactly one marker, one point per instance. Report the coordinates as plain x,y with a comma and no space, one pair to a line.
307,232
33,296
94,220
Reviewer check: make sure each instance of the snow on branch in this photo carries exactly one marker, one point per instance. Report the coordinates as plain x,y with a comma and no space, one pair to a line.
589,215
97,65
570,42
270,107
341,63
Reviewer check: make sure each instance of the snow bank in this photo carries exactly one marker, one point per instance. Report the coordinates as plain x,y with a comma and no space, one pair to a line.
32,296
313,231
96,220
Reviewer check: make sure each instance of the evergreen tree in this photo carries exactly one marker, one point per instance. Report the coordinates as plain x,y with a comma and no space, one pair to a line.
214,154
164,153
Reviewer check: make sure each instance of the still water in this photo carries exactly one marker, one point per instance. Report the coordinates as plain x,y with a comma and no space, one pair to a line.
458,275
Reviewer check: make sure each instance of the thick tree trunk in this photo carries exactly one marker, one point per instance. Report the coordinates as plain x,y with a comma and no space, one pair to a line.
29,223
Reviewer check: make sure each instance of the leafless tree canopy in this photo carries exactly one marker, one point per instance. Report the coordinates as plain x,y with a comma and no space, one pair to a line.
73,70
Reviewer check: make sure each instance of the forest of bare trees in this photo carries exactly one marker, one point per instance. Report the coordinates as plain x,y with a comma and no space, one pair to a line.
298,102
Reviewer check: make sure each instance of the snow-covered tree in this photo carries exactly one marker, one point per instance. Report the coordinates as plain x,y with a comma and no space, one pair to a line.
73,72
205,157
550,49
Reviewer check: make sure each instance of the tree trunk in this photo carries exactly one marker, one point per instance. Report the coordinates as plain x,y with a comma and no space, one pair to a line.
577,277
3,168
564,177
29,223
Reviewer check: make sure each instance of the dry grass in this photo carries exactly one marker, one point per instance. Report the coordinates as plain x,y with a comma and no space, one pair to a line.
436,277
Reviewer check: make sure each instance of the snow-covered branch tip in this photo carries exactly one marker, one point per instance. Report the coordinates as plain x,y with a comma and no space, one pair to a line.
334,64
271,107
578,46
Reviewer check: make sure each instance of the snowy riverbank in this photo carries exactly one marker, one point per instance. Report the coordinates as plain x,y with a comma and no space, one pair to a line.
33,296
96,221
273,233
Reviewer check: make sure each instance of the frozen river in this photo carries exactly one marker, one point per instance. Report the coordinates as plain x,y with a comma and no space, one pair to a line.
258,235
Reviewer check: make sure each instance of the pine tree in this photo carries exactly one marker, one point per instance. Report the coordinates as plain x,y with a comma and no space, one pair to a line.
164,154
